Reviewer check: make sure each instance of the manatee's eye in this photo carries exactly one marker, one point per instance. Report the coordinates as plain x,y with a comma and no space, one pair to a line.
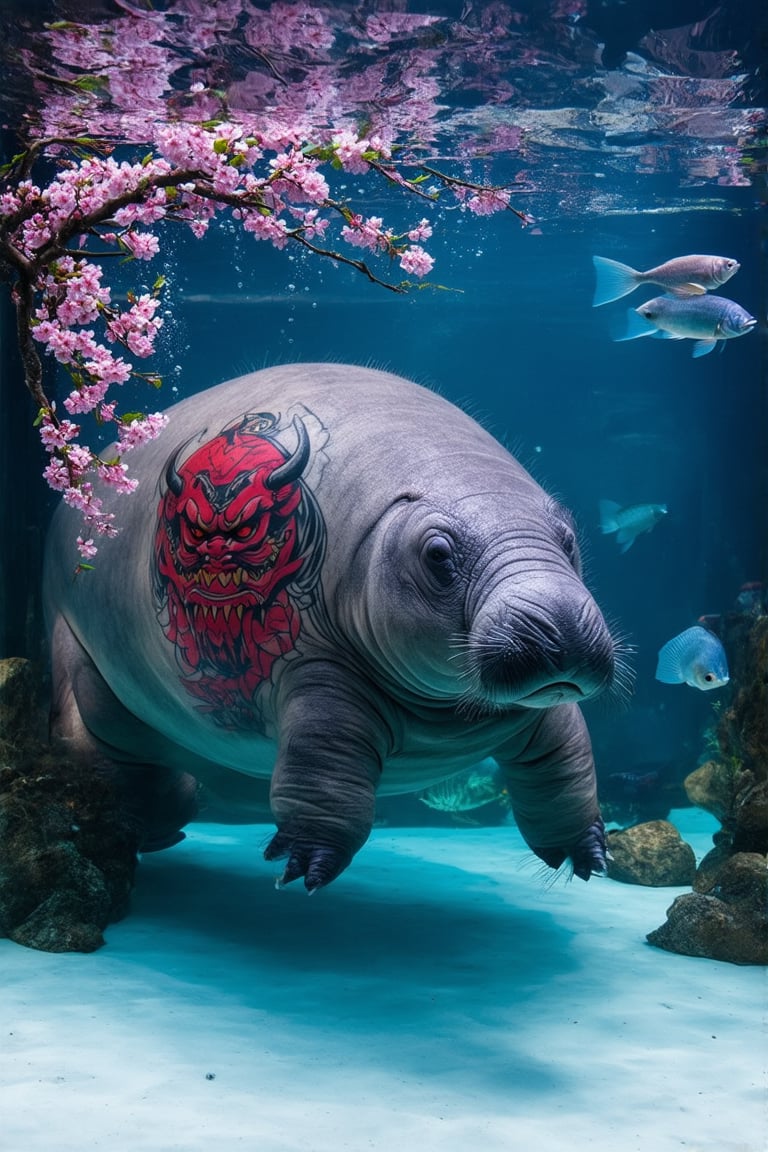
437,556
569,543
565,533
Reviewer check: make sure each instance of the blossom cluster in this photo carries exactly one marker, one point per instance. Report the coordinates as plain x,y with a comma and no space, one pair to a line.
264,172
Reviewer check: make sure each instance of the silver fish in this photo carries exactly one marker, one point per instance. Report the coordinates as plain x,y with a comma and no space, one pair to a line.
705,319
685,276
695,657
630,521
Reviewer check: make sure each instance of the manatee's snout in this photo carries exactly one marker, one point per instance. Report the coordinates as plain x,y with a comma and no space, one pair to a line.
539,651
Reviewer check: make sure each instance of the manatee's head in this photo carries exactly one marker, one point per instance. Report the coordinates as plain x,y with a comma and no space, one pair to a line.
478,601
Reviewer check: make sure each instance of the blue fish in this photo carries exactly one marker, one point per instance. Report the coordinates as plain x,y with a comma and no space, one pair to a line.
704,319
695,657
628,522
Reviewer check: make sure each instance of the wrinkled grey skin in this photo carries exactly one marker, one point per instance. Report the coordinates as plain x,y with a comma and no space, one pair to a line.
454,625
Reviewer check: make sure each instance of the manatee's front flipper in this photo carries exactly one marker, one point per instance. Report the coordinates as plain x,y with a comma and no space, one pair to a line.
331,747
553,791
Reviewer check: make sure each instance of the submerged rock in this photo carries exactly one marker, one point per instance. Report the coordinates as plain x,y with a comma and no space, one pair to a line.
653,854
67,856
728,922
726,917
21,714
711,787
68,851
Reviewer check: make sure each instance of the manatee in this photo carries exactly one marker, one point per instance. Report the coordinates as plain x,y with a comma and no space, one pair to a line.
330,583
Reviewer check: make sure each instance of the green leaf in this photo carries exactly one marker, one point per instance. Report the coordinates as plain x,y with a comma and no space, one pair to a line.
147,159
14,160
90,83
158,284
319,151
40,417
220,146
83,567
208,124
127,417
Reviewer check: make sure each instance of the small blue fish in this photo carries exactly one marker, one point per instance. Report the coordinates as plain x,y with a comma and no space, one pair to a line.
705,319
695,657
629,522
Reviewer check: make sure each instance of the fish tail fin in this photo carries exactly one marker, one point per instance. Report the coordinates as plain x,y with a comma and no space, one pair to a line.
608,510
614,280
637,326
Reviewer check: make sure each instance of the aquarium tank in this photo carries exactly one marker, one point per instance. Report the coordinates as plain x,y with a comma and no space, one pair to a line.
550,215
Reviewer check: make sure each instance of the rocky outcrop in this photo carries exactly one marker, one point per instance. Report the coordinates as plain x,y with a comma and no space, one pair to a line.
728,922
67,851
653,854
726,916
67,856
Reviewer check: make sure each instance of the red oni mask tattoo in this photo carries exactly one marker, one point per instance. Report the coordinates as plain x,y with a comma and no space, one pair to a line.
237,533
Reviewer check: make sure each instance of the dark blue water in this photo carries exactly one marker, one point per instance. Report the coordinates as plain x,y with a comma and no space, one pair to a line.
514,337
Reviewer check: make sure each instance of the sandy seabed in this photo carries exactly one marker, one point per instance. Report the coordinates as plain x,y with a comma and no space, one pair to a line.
439,995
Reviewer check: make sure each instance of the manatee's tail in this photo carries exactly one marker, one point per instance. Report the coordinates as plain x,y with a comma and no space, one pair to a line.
614,280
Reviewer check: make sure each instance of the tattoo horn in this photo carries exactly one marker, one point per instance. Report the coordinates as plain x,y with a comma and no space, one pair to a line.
294,464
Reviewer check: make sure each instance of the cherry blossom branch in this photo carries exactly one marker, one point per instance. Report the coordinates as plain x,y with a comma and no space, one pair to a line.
191,173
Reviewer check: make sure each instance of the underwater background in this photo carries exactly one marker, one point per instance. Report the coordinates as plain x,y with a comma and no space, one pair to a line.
635,132
631,163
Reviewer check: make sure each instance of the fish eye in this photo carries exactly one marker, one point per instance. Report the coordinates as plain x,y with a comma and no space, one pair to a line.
648,313
709,677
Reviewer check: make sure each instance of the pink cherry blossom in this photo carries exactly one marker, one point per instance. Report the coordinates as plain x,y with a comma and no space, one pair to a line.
422,231
86,548
139,431
143,245
416,261
58,435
